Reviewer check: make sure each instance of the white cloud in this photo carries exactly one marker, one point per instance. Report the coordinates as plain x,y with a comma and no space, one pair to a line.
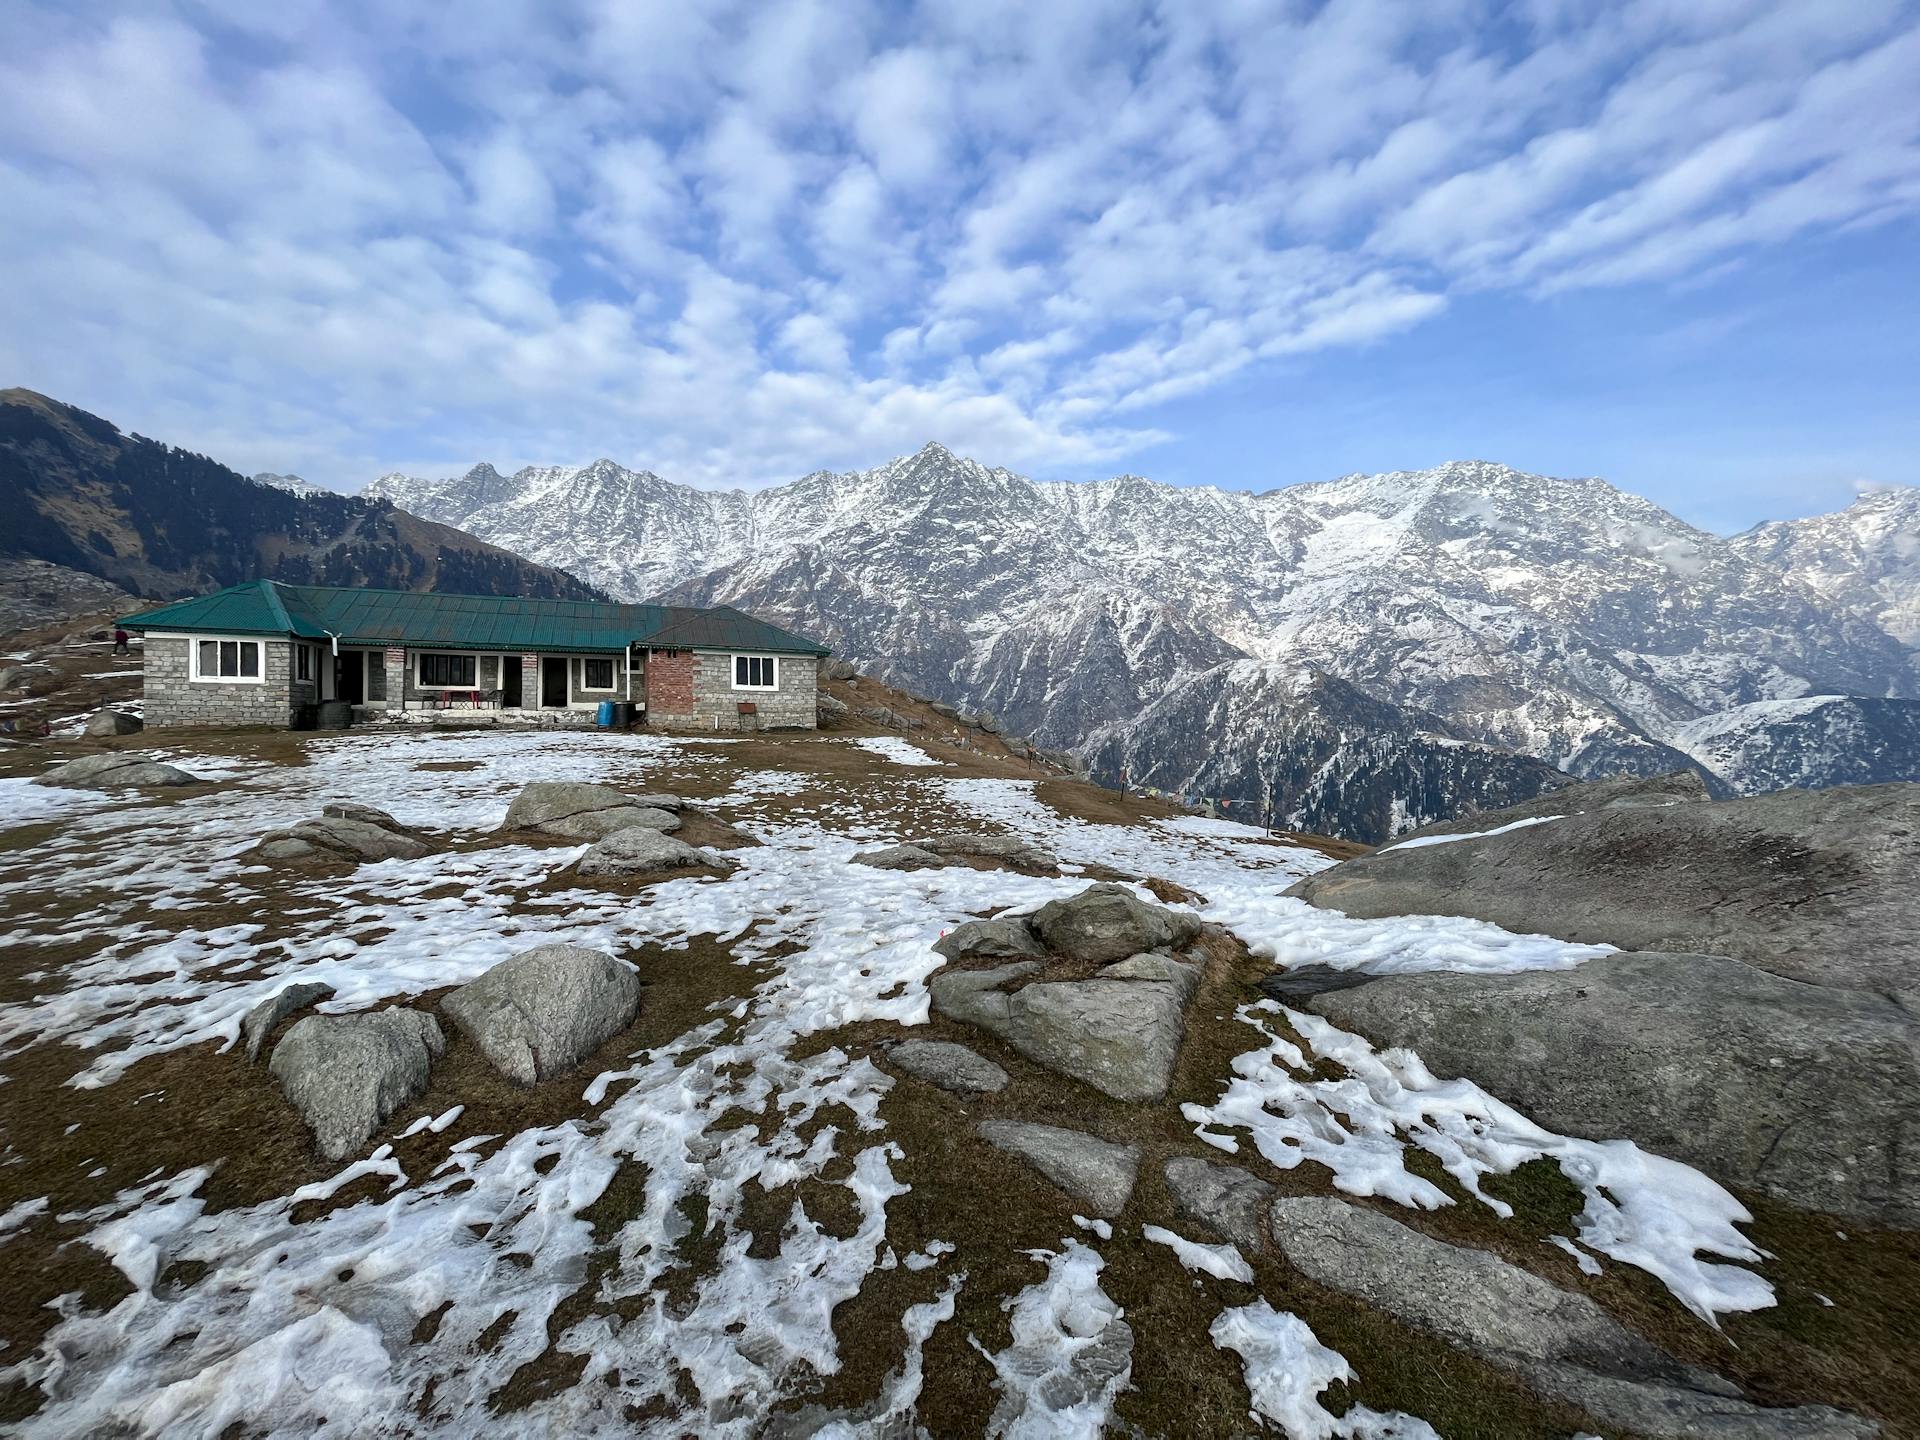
735,242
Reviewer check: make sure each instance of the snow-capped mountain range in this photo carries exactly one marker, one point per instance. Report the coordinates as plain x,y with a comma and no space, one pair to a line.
1207,639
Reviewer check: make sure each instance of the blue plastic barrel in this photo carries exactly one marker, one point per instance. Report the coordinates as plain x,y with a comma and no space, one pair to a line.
605,717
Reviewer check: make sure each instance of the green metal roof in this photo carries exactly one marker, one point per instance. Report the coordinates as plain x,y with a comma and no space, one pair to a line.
465,622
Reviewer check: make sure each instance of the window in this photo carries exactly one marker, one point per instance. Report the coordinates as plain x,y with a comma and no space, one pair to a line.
235,660
444,672
756,672
303,662
596,674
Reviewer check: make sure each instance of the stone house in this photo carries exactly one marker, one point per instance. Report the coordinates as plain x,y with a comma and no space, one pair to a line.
265,653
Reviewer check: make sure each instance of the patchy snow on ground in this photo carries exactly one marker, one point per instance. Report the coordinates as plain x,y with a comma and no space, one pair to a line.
900,752
1287,1367
1223,1262
312,1322
1420,840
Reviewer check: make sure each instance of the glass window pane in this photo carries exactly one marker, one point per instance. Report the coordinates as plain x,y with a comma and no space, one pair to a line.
249,657
740,670
229,657
209,658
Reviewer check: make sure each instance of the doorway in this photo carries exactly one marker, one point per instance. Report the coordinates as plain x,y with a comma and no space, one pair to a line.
350,677
510,676
553,682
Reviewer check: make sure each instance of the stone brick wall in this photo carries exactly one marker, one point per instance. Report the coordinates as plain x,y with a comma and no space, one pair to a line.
174,698
715,704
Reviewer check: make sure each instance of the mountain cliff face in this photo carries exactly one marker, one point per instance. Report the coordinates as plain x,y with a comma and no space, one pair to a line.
161,522
1166,629
1865,559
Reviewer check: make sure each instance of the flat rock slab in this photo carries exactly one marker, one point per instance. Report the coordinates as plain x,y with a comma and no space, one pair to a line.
1560,1341
899,857
346,1074
577,811
546,1009
1119,1033
1086,1167
107,772
1109,922
1009,849
1802,1092
1815,885
642,851
949,1066
995,939
261,1019
333,838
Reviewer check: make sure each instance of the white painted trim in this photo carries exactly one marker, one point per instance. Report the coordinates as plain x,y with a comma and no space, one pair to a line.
733,671
193,659
419,655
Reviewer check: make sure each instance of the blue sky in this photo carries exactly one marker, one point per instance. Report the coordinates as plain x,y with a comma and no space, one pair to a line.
1670,242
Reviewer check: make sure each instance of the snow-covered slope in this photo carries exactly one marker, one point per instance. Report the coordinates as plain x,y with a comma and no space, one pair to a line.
1866,557
1816,740
1562,619
292,484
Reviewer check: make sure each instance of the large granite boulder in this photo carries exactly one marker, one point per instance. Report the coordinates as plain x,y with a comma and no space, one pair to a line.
1802,1092
1559,1341
546,1009
1815,885
1118,1031
1092,1170
343,834
639,850
114,722
1108,922
110,771
899,857
346,1074
578,811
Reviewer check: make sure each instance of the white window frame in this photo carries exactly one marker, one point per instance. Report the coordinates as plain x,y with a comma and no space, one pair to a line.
613,674
258,678
420,683
733,671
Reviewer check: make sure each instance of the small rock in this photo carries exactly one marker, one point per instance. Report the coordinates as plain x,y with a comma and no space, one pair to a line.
899,857
106,772
640,851
944,710
15,676
837,669
346,1074
1009,848
365,814
261,1019
951,1067
580,811
829,708
114,722
546,1009
1087,1168
1108,922
1224,1198
992,938
987,722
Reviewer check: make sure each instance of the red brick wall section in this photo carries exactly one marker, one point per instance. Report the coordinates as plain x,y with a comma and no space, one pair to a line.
670,682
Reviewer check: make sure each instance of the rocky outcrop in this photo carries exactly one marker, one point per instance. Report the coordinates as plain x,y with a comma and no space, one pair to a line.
639,850
1108,922
545,1010
1089,1169
1008,849
1802,1092
578,811
111,771
346,1074
109,723
1561,1342
344,834
261,1019
949,1066
1815,885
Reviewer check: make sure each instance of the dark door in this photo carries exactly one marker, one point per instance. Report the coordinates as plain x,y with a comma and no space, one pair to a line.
553,683
510,682
350,677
